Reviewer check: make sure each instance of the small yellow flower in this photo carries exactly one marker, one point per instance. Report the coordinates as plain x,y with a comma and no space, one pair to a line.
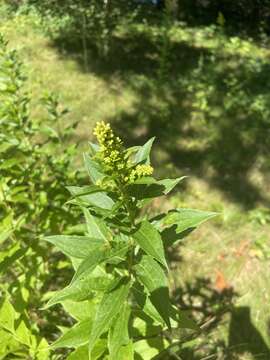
140,171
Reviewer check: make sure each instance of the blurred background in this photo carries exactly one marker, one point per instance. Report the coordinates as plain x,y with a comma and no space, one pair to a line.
195,74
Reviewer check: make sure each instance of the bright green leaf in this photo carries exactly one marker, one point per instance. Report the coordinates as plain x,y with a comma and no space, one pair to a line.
82,287
98,199
85,310
82,352
179,223
75,246
169,184
77,336
187,218
150,241
89,264
7,315
118,334
152,276
143,153
125,352
95,227
93,168
110,306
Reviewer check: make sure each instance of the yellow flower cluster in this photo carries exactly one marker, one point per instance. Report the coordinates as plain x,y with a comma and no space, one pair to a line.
113,156
111,147
140,171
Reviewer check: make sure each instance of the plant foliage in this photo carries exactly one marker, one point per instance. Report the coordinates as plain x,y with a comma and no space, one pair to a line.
33,174
120,284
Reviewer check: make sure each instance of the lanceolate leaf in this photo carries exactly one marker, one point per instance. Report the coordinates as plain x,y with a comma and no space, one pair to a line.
146,306
118,335
77,336
89,264
80,290
144,152
82,352
93,168
84,282
187,218
169,184
148,187
95,226
94,148
98,256
150,241
110,306
75,246
84,190
7,315
98,199
152,276
85,311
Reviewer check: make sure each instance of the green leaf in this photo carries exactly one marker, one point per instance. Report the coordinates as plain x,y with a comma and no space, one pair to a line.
82,352
95,227
146,305
98,199
89,264
148,187
75,246
143,326
150,241
150,349
85,190
110,306
187,218
94,148
143,153
152,276
23,334
125,353
94,169
8,342
118,251
85,310
118,334
145,188
42,350
5,235
84,282
7,315
169,184
80,290
77,336
178,223
182,319
11,256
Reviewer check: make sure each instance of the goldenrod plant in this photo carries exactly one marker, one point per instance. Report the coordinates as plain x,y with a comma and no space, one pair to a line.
119,294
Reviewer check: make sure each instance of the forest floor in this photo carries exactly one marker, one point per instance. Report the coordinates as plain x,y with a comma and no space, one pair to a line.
207,105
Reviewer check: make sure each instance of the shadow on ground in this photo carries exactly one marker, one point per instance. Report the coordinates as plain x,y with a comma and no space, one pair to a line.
211,307
207,108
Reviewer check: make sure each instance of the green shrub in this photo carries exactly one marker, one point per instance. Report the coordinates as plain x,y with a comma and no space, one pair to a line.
34,168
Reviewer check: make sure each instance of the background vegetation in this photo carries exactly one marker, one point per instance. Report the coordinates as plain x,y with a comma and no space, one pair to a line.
198,79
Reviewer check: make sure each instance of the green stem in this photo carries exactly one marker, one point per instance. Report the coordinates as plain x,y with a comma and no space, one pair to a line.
130,213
